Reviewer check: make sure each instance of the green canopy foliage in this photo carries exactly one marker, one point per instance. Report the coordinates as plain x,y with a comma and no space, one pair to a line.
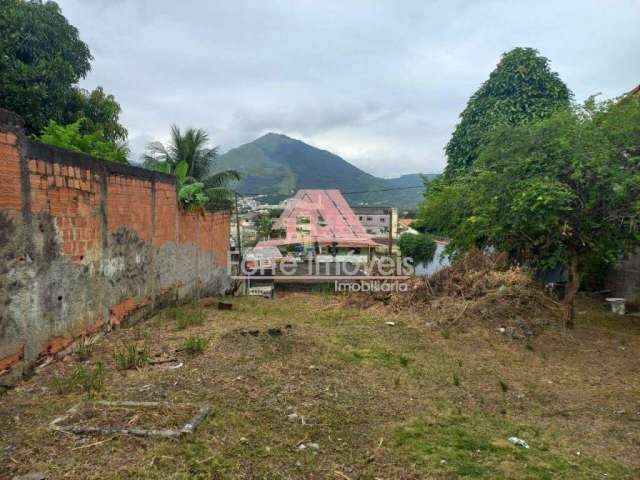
42,58
556,191
522,88
420,247
70,137
100,111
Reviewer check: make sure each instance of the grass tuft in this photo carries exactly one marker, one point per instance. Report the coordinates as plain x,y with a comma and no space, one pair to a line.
187,316
84,349
130,356
195,344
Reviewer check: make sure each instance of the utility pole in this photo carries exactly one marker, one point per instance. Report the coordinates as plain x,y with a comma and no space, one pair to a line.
390,231
238,230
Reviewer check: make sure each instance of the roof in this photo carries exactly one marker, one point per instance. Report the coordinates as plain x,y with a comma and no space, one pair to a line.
406,222
635,91
367,210
330,219
262,253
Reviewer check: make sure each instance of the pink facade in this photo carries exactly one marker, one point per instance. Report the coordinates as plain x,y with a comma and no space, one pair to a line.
320,216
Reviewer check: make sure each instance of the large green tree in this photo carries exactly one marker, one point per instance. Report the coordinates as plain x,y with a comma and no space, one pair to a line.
520,89
99,111
554,192
42,58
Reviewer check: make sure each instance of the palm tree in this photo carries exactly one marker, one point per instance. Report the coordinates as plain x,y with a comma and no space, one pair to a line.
189,158
189,147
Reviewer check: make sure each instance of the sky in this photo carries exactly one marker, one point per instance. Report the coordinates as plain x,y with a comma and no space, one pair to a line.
380,83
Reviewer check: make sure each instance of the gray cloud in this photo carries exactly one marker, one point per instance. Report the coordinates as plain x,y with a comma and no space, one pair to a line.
380,83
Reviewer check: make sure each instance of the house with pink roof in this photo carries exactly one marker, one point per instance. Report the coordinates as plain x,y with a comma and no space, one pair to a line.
320,220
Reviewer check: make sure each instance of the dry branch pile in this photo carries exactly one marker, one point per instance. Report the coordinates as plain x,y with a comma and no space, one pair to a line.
476,288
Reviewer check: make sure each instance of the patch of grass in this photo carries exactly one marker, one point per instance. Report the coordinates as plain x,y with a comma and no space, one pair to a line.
84,349
379,357
477,447
187,316
86,380
130,356
192,459
195,344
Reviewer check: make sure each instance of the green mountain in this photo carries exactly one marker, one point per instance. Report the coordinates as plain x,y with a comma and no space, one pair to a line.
278,166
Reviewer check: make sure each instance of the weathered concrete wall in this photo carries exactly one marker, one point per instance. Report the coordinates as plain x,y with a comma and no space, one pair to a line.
624,280
87,244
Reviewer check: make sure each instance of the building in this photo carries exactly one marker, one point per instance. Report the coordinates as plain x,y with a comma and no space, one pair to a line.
320,221
377,221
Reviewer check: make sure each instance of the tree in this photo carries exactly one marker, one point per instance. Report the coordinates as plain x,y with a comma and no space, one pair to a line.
71,138
420,247
100,111
264,224
189,147
189,158
555,192
42,58
522,88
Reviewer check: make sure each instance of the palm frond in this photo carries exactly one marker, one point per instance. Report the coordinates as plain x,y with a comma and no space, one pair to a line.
220,179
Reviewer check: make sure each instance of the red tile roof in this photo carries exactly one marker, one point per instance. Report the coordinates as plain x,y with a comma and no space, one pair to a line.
330,220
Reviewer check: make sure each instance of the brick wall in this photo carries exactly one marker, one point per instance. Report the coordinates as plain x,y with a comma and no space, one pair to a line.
87,244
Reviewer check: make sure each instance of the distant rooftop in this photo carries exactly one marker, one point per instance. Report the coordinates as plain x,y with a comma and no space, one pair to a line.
321,216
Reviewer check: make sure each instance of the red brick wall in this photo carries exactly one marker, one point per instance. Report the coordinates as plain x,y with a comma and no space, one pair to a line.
87,203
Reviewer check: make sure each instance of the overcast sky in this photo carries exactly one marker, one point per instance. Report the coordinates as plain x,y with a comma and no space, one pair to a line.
380,83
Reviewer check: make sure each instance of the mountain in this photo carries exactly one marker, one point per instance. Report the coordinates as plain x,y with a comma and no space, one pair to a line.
278,166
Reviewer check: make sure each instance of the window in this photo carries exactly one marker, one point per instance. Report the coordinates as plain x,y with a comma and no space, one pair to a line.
369,219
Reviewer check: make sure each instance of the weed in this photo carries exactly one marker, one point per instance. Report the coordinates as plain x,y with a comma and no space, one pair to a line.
504,386
130,356
87,380
456,380
445,334
84,349
529,346
187,316
195,344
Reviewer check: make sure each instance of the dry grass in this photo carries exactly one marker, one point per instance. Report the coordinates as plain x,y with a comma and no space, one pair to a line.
380,401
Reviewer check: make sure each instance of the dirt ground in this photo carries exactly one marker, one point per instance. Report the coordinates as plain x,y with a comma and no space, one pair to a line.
333,391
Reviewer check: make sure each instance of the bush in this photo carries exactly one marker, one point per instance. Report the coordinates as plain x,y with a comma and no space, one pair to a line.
194,344
421,247
130,356
84,379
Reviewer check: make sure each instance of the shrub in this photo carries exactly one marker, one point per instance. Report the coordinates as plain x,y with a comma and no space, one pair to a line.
130,356
194,344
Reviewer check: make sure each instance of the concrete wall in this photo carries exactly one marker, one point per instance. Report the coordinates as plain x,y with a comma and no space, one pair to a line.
87,244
